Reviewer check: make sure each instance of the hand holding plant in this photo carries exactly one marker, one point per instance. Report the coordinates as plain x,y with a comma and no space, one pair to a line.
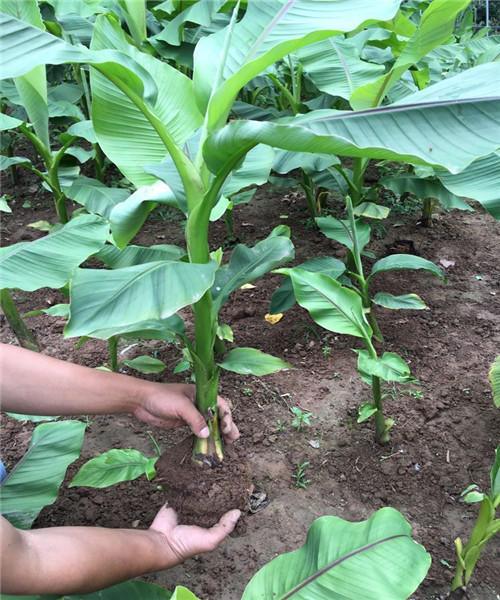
172,405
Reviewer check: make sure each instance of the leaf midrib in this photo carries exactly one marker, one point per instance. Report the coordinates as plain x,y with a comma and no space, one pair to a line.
338,561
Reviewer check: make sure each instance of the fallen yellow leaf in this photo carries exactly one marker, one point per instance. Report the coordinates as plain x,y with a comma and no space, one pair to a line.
273,319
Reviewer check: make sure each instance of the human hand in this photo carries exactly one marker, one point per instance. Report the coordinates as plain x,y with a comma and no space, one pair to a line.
171,405
178,542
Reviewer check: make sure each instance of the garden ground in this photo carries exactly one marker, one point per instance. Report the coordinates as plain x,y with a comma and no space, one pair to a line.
446,430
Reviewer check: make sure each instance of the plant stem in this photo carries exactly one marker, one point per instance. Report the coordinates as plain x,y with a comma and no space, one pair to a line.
356,257
113,353
24,335
360,165
228,218
307,185
427,210
468,556
13,168
381,431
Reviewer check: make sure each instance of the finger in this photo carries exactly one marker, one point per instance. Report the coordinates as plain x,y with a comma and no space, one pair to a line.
231,433
165,519
228,427
194,419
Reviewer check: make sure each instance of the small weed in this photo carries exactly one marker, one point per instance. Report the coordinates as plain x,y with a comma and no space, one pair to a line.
326,351
417,394
300,419
336,375
466,390
281,426
310,329
392,393
247,391
300,476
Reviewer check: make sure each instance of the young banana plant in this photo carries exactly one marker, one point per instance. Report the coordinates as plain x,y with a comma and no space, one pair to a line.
348,310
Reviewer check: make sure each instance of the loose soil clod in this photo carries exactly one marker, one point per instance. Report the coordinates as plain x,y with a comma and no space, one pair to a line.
199,494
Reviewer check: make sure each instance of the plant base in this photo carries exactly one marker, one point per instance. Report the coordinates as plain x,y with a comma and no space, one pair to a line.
199,494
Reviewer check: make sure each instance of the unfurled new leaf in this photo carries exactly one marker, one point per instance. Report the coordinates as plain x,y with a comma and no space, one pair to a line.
390,367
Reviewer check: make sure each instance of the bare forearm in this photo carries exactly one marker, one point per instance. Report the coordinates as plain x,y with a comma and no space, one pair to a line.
65,560
36,384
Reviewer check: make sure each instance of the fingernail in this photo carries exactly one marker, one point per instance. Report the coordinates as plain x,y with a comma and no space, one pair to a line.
205,432
235,515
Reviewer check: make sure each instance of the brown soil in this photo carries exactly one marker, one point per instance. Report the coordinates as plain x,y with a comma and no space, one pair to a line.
202,494
446,430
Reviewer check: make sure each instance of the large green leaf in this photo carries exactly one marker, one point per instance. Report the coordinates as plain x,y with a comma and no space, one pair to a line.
494,376
250,361
424,188
32,86
335,66
115,258
436,26
95,196
125,134
370,560
331,305
267,32
25,47
399,262
480,180
34,482
284,298
341,231
420,133
247,264
106,303
50,260
112,467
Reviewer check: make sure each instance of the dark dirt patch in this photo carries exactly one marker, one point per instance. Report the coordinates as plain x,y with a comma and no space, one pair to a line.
202,494
446,429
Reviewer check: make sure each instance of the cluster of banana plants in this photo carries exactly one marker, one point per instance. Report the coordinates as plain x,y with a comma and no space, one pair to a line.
169,135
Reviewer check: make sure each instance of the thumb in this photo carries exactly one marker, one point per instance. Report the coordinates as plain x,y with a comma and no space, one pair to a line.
165,519
195,420
214,536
